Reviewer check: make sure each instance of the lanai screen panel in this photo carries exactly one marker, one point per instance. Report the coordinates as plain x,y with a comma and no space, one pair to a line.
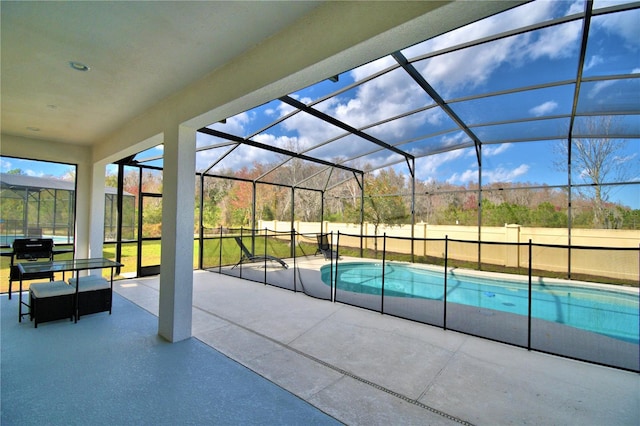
543,162
483,106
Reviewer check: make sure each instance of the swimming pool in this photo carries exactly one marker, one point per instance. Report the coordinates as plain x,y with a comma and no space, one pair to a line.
8,239
598,309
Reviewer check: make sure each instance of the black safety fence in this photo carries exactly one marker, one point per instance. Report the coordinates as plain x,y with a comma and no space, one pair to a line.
576,302
315,264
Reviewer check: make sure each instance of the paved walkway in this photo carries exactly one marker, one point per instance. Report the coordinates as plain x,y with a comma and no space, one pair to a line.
364,368
115,370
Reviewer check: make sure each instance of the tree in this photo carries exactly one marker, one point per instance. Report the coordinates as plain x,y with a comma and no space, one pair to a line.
504,213
343,201
384,205
598,160
215,191
548,215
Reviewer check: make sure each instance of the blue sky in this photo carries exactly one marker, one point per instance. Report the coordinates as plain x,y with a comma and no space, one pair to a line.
36,168
536,58
532,59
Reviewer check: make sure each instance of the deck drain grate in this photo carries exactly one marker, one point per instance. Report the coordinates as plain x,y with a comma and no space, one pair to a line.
347,373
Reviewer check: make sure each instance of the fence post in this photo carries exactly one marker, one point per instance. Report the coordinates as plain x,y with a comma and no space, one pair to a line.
265,256
424,243
294,246
529,313
446,273
334,279
220,259
241,239
384,253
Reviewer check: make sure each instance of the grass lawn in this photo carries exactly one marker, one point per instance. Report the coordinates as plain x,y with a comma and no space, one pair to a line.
230,254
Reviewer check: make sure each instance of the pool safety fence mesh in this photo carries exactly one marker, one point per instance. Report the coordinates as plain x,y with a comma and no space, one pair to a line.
577,302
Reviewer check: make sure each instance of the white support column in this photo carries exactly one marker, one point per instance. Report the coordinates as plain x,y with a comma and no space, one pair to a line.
89,210
96,224
84,196
176,270
89,232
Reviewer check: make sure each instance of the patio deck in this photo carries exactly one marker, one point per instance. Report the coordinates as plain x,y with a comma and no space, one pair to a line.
355,366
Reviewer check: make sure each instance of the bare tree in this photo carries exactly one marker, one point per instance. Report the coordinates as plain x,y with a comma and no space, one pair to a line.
598,160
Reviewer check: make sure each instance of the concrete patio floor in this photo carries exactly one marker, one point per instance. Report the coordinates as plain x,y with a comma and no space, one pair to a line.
364,368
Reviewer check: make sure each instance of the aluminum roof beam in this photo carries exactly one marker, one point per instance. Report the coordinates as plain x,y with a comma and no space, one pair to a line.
277,150
322,116
417,77
583,51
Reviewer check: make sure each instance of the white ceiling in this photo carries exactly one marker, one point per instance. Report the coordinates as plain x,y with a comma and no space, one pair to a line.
147,48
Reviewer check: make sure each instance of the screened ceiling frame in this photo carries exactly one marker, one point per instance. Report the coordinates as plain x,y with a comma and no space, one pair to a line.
438,102
443,105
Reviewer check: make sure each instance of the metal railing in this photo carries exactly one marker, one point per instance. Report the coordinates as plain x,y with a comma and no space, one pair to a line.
508,295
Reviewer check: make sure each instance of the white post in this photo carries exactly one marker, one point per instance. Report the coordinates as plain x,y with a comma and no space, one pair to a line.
176,270
96,225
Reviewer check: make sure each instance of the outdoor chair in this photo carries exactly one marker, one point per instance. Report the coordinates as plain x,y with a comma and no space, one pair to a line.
247,256
30,249
324,247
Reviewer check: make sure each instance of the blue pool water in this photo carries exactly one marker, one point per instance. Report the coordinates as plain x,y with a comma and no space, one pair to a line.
600,310
7,240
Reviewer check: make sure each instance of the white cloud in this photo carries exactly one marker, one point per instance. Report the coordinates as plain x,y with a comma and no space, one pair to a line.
576,7
521,16
204,159
473,67
427,167
451,140
593,61
623,24
555,42
504,175
625,159
243,155
499,174
469,175
285,142
386,96
394,92
490,151
5,165
234,125
635,71
372,67
284,109
599,87
544,108
455,71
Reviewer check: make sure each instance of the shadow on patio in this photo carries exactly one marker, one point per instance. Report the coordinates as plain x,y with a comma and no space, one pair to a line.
365,368
116,370
357,366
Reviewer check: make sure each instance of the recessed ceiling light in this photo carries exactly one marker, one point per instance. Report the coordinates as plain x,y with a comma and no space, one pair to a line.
33,129
78,66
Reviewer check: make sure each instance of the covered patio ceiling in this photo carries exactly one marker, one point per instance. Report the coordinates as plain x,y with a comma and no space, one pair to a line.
541,72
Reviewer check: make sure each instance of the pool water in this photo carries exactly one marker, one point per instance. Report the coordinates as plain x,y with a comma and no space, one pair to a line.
600,310
7,240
